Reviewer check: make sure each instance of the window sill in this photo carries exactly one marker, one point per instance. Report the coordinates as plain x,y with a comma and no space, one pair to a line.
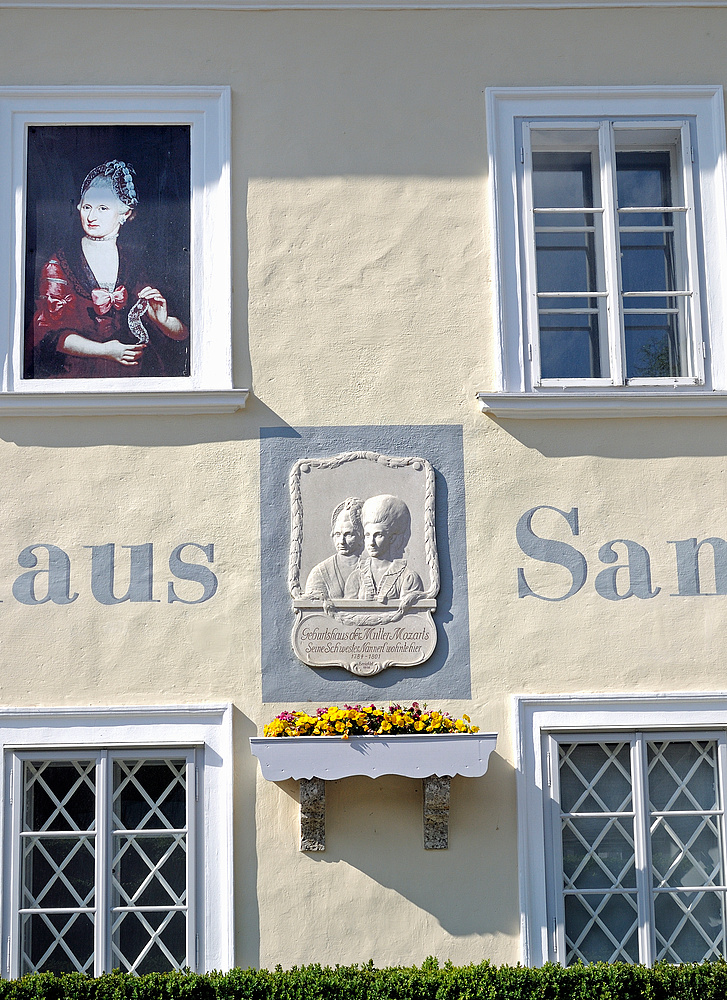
569,404
95,404
330,758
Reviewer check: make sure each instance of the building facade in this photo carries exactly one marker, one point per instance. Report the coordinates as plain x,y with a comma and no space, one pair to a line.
266,269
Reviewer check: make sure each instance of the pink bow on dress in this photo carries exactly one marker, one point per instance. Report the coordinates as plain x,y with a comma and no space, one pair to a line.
103,300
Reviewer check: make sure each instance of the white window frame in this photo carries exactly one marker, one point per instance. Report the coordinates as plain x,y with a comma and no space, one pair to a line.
206,110
537,719
701,110
203,731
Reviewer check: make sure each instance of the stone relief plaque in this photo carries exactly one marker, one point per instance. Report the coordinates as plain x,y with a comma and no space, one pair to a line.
364,572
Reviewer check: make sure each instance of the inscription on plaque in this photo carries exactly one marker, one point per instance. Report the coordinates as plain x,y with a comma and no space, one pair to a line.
363,540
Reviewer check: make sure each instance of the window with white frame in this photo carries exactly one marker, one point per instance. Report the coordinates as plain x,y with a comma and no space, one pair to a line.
116,840
610,237
105,858
637,870
145,326
621,828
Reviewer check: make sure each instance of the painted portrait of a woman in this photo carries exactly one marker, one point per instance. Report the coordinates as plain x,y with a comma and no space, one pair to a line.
103,305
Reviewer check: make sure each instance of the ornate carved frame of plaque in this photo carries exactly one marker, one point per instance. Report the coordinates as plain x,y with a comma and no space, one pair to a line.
369,605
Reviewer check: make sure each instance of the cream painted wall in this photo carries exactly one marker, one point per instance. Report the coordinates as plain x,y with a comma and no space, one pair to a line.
362,273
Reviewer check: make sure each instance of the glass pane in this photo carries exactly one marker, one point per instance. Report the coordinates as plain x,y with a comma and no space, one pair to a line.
150,794
569,342
689,926
647,261
150,871
655,343
652,342
643,180
58,872
56,942
601,928
598,854
59,795
565,262
683,775
595,777
685,850
562,180
150,942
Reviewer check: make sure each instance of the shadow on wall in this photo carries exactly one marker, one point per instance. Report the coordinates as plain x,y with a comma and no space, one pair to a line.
159,431
628,438
375,826
247,917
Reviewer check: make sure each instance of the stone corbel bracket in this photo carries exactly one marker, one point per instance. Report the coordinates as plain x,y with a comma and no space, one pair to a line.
312,760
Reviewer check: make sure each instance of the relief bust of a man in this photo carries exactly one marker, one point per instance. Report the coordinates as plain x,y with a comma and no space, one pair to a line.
381,575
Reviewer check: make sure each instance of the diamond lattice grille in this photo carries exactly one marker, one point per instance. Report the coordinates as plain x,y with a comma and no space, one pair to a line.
686,850
679,822
597,831
149,883
135,874
58,857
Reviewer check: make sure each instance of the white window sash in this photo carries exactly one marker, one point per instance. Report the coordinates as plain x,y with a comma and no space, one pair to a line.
665,106
103,837
610,299
203,731
543,722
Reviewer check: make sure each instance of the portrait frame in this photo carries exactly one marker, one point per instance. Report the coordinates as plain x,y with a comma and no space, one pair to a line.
205,112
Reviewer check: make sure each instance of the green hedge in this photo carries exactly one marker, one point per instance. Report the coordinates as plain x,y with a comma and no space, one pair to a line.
430,982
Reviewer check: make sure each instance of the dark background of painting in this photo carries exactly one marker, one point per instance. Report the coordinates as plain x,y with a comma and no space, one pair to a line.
60,156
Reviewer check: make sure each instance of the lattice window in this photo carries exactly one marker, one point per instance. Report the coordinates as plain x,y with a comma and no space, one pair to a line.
105,862
641,845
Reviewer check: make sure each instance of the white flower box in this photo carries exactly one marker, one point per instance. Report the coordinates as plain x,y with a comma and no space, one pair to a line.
330,757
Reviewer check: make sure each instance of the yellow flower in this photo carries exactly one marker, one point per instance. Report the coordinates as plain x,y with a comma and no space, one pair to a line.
335,721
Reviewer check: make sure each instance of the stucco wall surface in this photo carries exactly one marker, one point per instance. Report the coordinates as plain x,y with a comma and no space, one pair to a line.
362,268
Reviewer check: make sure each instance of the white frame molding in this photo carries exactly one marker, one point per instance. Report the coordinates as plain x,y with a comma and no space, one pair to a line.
204,728
538,716
617,402
506,107
207,111
356,4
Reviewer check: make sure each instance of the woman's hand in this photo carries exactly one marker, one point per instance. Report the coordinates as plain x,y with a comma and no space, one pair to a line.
157,312
125,354
82,347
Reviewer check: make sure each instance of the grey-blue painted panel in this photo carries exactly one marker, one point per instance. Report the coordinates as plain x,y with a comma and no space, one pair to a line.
447,673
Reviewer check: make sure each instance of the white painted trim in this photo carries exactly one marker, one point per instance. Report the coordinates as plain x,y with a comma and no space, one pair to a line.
96,404
536,715
615,403
206,726
507,106
207,112
331,757
355,5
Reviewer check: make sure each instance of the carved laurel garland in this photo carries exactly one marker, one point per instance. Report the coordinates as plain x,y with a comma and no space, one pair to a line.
296,533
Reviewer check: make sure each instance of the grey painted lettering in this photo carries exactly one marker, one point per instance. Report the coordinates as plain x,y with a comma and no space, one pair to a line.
551,551
638,568
192,571
141,573
58,574
687,553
